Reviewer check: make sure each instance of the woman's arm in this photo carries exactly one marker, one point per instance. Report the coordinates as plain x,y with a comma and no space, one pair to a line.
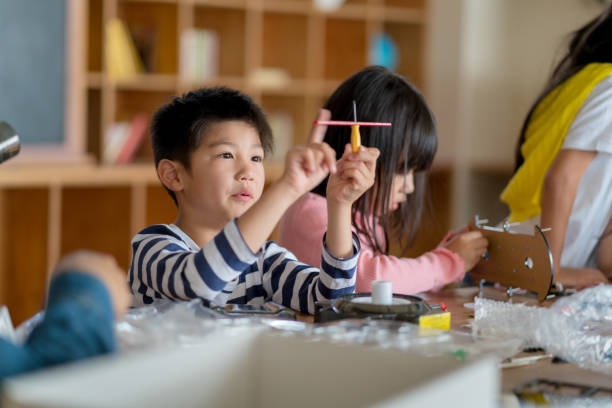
604,253
558,194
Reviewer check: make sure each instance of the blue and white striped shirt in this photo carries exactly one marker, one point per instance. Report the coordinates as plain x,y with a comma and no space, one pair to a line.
168,264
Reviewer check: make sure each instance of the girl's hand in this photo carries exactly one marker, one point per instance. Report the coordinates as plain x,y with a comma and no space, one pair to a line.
453,234
356,174
469,246
308,164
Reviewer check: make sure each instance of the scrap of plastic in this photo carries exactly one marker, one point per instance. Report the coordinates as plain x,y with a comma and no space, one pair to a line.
553,400
24,329
188,323
7,331
173,323
503,320
578,328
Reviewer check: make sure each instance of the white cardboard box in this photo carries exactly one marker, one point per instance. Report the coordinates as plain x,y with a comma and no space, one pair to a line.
250,368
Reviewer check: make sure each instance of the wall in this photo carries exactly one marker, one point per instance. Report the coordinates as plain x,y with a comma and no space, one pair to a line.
487,62
32,68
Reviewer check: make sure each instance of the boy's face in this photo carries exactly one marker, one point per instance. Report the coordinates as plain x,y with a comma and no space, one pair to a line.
227,174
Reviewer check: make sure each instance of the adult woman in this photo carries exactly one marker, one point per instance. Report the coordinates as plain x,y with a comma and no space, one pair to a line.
563,176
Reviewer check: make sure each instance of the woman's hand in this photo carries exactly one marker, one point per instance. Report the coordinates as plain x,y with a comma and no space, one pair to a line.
579,277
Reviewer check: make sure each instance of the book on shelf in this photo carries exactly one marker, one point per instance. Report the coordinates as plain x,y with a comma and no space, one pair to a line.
199,54
114,138
138,131
122,58
123,139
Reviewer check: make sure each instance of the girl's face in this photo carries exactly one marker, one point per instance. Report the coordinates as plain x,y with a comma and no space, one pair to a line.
403,184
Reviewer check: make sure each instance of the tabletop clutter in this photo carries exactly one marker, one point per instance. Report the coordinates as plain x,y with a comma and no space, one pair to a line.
576,328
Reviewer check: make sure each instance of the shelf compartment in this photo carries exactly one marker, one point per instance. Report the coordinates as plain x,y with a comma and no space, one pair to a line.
25,220
409,39
285,39
133,102
94,125
108,231
295,108
346,47
153,25
95,30
229,25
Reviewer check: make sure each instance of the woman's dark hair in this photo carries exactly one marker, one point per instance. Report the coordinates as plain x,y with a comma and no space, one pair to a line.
410,143
590,43
178,126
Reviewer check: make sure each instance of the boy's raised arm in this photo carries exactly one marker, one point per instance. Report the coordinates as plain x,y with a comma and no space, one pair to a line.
305,167
355,175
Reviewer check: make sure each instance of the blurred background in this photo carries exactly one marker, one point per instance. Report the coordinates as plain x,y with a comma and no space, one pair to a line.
79,80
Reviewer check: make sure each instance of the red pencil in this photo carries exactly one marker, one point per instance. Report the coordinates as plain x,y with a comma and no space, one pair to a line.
349,123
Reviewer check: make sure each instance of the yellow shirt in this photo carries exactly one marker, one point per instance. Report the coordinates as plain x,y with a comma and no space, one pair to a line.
544,137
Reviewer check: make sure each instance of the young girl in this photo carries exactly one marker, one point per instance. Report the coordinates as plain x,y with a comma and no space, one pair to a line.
395,202
563,176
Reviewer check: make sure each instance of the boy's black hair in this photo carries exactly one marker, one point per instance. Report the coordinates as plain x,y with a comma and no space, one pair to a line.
178,127
410,143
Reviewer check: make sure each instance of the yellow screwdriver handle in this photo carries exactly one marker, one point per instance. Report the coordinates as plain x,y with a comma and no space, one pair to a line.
355,138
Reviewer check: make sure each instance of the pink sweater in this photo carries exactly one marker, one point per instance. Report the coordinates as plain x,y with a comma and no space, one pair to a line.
302,228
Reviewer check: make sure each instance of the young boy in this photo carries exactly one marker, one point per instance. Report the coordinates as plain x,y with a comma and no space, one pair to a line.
209,147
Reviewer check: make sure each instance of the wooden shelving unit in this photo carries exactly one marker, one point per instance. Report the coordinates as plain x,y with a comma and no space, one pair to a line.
47,211
315,50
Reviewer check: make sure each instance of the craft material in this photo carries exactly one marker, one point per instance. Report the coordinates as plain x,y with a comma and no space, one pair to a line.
382,293
514,260
355,135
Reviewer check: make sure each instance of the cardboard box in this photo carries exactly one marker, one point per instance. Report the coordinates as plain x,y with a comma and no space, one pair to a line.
254,368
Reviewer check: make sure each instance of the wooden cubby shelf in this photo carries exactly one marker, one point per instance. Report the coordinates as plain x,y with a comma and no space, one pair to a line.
288,55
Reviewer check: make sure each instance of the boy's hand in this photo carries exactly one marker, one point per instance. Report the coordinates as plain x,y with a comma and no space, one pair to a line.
469,246
307,165
103,267
356,174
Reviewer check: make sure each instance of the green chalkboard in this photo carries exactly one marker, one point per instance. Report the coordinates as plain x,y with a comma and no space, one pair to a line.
32,68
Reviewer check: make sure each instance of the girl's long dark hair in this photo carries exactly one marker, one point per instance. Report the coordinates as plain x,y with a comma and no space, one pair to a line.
410,143
590,43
